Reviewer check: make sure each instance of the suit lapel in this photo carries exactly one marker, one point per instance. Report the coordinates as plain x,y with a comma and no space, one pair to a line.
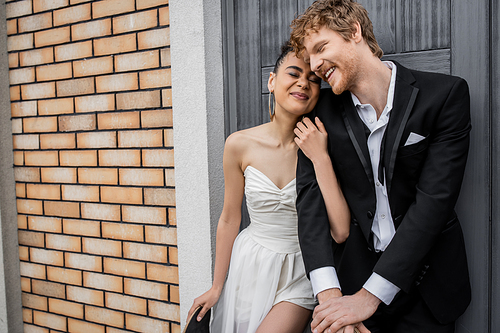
356,131
404,98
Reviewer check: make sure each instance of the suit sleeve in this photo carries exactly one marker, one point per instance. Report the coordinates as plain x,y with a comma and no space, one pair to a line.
437,191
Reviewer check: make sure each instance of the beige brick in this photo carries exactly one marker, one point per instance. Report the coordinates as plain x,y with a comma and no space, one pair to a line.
146,289
165,57
145,324
159,196
141,177
22,75
44,191
148,215
173,255
138,100
115,330
43,5
161,235
32,270
35,22
115,45
120,157
49,320
75,87
155,79
41,158
65,308
95,103
100,212
55,106
30,207
140,138
58,175
82,228
166,97
20,190
25,284
95,66
61,208
13,60
164,311
30,238
43,223
104,247
12,27
142,4
75,2
48,257
54,72
156,118
18,8
165,16
52,37
153,38
85,122
83,262
103,281
123,231
97,140
104,316
34,301
20,42
98,176
126,195
17,126
57,141
117,120
73,51
117,82
163,273
27,315
38,90
18,158
15,93
36,57
136,61
64,275
79,193
40,124
136,21
145,252
84,295
78,158
63,242
168,137
92,29
26,141
22,221
72,14
23,109
112,7
48,288
158,158
126,303
78,326
125,268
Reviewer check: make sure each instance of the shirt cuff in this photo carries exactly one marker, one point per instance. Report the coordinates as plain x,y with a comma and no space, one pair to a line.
383,289
324,278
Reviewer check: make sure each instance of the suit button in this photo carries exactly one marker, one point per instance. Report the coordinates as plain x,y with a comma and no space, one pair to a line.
369,214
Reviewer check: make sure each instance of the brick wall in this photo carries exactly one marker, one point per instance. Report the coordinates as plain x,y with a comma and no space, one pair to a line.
93,155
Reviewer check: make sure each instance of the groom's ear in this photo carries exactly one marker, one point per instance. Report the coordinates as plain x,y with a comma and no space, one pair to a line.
270,82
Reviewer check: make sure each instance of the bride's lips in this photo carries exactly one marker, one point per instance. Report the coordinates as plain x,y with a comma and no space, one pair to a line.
300,96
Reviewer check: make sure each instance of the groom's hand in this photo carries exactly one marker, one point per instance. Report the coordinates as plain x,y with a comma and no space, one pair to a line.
325,295
337,312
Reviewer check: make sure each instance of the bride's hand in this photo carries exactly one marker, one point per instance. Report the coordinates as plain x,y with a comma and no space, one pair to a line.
311,139
207,301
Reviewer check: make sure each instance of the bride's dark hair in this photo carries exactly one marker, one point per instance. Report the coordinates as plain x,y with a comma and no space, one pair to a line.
286,48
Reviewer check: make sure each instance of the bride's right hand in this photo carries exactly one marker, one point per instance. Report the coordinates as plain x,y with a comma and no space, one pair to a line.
207,301
312,139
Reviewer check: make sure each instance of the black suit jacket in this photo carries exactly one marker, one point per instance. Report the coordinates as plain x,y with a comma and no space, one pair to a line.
423,183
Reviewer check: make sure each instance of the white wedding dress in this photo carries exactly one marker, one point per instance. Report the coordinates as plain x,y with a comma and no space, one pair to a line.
266,263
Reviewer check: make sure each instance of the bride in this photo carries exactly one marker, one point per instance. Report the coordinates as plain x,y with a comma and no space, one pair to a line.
266,288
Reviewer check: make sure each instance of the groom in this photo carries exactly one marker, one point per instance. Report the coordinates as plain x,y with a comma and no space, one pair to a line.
398,141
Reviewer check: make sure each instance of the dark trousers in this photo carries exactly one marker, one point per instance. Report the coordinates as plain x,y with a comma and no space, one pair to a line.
408,313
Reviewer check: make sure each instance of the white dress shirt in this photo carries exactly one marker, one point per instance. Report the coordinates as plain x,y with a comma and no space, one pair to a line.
383,226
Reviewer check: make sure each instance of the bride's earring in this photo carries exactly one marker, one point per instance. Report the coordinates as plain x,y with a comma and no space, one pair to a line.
271,105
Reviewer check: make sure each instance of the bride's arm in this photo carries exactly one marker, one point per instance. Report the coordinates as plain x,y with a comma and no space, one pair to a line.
312,140
229,223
